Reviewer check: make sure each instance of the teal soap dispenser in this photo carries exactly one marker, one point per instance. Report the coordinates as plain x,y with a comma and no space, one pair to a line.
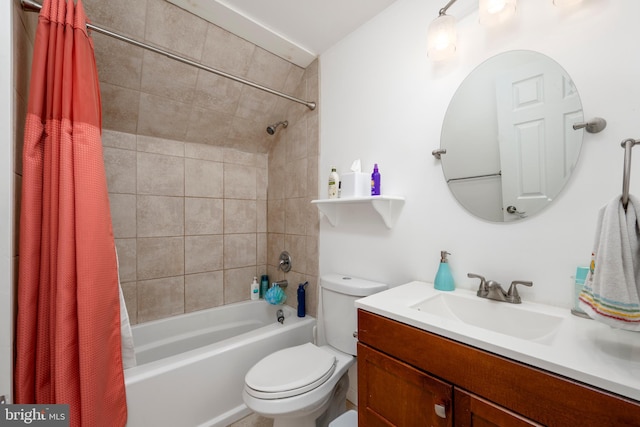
444,279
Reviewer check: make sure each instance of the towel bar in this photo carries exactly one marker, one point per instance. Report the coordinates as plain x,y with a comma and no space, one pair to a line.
627,144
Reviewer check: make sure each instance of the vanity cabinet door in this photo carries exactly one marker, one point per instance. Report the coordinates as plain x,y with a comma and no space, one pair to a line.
473,411
392,393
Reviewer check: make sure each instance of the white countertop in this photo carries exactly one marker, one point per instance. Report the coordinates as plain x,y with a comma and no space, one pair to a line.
581,349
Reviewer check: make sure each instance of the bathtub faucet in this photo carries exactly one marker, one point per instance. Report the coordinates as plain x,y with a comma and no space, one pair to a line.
280,315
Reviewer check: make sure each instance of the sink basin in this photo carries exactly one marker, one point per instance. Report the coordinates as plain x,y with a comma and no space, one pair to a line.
509,319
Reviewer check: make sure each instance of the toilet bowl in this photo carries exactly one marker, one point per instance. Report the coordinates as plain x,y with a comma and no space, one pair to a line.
295,391
306,385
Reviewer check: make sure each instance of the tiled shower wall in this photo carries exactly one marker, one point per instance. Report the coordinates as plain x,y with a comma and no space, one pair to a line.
189,221
202,198
292,221
213,143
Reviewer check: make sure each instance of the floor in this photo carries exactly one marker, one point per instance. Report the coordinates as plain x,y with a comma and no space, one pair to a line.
255,420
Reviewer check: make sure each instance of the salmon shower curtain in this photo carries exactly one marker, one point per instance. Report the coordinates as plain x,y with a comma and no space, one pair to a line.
68,347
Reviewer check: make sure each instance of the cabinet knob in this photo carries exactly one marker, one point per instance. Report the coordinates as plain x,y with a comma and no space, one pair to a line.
441,410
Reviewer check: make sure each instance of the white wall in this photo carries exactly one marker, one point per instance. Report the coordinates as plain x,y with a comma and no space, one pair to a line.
383,101
6,200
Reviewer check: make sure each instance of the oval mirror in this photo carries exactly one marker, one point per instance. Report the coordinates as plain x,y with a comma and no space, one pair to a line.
508,135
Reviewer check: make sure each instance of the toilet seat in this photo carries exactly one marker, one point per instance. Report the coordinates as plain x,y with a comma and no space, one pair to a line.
290,372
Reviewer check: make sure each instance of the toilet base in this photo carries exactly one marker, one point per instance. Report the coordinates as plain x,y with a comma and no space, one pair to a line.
335,406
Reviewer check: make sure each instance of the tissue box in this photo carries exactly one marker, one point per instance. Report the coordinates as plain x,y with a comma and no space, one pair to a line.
355,184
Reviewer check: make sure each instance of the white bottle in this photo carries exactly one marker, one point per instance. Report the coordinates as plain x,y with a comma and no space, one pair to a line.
334,181
255,289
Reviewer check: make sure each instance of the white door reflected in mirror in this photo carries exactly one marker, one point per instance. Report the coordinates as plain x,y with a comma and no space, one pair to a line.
509,137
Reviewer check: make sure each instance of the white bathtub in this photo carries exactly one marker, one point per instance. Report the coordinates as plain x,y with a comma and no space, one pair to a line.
191,367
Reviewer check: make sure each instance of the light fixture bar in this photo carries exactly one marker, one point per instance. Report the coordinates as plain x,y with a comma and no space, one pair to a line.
446,6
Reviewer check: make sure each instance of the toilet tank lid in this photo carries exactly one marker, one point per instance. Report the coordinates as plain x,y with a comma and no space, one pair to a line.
348,285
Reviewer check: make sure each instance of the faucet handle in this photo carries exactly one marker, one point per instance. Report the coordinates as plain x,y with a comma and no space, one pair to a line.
512,294
483,290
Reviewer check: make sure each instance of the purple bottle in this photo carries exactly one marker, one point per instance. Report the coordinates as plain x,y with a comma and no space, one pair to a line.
375,181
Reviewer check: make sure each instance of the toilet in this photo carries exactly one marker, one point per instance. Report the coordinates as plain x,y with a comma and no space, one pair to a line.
306,385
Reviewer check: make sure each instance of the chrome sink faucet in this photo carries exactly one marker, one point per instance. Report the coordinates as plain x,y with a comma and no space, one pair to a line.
493,290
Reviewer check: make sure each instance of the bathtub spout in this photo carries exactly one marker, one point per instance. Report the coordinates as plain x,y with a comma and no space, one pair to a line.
280,315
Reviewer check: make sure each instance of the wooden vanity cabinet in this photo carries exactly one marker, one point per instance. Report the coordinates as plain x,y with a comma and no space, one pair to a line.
410,377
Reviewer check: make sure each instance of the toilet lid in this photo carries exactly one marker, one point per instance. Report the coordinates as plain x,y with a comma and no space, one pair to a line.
289,372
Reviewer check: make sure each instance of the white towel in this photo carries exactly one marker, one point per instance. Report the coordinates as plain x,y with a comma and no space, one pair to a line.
611,290
126,335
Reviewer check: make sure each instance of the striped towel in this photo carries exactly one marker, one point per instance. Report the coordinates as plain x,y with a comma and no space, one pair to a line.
611,291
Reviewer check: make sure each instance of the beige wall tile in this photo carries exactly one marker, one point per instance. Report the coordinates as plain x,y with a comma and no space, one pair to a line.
123,214
162,117
203,290
119,15
239,250
126,259
204,152
120,168
115,139
262,183
203,216
203,253
160,257
296,136
261,216
275,216
226,51
240,216
174,28
22,55
240,157
296,184
261,252
268,69
295,216
165,77
239,182
20,108
312,177
217,93
255,104
149,144
160,175
208,126
277,175
275,245
160,298
203,178
237,284
118,63
297,248
120,108
248,134
159,216
312,255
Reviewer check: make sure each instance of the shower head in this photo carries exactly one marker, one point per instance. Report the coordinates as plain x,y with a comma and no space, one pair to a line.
271,129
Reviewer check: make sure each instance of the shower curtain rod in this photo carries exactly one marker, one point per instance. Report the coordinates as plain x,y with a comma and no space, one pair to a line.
32,6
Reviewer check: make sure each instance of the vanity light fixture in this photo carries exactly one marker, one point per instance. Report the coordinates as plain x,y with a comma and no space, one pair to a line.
441,36
496,11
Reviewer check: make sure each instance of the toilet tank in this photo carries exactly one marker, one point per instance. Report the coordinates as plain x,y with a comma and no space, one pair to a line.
339,293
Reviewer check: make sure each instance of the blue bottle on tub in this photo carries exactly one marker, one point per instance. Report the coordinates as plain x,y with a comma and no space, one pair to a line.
302,308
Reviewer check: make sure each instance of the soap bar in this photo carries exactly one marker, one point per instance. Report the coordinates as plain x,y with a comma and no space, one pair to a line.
356,184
